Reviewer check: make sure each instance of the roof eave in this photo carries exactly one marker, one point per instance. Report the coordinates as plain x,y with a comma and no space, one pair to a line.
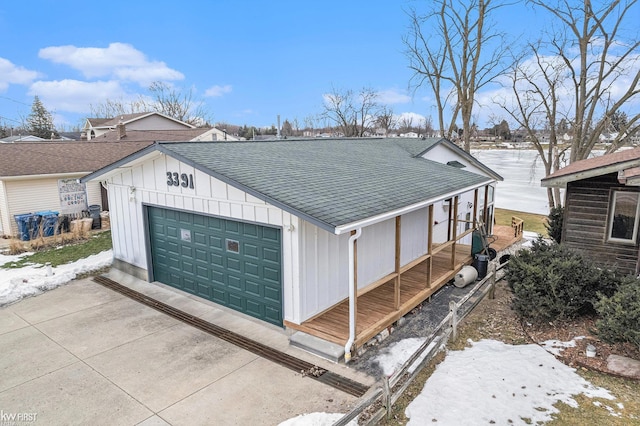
407,209
466,155
561,181
121,163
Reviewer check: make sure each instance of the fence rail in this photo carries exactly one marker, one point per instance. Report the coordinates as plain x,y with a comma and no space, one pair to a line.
390,389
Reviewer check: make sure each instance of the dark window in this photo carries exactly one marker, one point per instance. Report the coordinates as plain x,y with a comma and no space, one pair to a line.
233,246
623,216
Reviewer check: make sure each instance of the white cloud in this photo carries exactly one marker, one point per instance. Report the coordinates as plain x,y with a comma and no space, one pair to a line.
119,60
393,96
217,91
76,96
411,117
13,74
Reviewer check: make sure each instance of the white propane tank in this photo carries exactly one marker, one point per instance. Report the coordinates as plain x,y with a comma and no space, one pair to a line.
466,276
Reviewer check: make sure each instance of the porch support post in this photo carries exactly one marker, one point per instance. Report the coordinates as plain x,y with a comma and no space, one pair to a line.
485,208
475,208
430,246
454,232
353,293
396,296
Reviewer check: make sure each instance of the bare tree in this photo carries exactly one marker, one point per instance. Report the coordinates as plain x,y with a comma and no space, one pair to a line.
450,56
165,99
353,113
601,60
572,82
386,120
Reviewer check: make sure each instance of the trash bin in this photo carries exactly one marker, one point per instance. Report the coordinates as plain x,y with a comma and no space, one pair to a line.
481,263
48,221
94,213
23,222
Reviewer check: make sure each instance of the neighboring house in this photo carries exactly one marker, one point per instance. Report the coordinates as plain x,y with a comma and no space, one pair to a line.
336,238
40,176
22,138
95,127
602,208
192,135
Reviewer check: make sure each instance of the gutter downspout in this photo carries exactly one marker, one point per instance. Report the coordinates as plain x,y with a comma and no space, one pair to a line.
352,296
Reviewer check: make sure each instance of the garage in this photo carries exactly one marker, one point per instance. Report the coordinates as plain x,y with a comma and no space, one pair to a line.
233,263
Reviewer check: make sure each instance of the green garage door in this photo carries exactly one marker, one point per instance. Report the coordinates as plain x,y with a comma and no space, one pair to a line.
235,264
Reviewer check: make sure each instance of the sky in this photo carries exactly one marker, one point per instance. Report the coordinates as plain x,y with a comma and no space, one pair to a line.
248,61
488,382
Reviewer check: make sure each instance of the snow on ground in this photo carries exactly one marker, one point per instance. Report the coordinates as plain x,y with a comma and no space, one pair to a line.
5,258
16,284
316,419
556,346
391,359
493,382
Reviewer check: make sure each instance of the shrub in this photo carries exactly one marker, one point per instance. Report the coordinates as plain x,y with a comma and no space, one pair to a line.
554,224
551,281
620,313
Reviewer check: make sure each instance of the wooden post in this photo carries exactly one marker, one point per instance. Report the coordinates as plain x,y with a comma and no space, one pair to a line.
386,396
430,246
485,208
475,207
453,310
454,235
396,297
492,282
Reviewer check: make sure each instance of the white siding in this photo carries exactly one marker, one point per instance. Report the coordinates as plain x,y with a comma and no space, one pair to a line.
5,226
32,195
155,122
147,183
443,154
324,269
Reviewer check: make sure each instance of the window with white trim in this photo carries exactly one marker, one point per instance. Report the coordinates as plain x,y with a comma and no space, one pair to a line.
623,216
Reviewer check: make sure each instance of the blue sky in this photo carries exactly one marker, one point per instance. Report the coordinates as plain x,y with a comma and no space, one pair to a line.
248,60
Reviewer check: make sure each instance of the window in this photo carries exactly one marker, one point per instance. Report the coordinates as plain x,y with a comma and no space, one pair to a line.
233,246
623,216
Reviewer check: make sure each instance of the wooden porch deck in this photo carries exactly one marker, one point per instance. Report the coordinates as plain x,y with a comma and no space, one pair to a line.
376,308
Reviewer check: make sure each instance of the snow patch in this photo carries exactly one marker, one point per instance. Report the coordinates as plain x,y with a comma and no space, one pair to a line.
16,284
317,419
556,346
493,382
391,359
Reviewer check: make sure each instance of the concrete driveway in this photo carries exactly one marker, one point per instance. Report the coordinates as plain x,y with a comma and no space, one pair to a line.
84,354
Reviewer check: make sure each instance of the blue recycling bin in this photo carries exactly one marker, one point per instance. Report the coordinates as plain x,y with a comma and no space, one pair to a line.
48,220
24,225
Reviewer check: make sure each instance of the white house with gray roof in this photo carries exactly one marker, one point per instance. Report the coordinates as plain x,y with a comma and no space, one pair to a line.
302,234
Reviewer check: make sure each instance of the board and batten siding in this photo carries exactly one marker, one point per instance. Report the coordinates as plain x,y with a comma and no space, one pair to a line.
146,184
33,195
324,256
586,219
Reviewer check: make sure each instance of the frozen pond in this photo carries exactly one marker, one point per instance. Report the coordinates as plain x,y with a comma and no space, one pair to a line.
522,171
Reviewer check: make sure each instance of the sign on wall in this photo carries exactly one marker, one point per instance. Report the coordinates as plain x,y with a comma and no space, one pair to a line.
73,196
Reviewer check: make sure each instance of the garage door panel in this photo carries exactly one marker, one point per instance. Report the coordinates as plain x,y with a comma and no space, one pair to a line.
251,270
270,254
234,265
271,235
235,283
190,252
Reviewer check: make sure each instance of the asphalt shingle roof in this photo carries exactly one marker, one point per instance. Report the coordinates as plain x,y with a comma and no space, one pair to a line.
38,158
331,182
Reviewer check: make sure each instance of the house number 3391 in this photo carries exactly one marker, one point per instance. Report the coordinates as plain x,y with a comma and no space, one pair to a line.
176,179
